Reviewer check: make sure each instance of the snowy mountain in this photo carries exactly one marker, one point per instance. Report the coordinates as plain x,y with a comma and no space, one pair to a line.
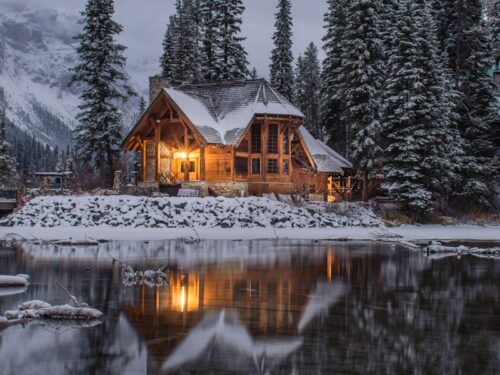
37,50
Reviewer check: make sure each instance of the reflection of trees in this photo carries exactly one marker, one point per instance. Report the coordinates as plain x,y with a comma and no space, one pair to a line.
425,318
100,352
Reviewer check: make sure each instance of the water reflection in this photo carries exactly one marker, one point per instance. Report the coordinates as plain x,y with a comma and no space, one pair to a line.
260,307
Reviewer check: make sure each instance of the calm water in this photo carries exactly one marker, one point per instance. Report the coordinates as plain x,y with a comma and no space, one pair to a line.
258,307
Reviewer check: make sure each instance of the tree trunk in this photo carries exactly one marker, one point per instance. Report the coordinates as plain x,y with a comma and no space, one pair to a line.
364,194
110,165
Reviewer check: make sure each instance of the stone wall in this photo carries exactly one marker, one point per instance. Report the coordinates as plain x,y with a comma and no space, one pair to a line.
201,186
229,189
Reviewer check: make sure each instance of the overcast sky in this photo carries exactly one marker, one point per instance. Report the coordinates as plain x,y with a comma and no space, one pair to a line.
144,23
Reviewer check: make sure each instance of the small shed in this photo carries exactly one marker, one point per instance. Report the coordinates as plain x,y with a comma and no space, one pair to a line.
54,181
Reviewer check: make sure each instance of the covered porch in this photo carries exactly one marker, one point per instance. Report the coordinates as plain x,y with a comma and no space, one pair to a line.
171,150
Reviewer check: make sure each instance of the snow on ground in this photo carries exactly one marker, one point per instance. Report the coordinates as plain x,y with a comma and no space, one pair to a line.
85,219
145,212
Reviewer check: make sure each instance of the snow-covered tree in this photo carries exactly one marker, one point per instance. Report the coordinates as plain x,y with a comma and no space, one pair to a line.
308,90
465,37
181,58
168,59
7,162
210,64
59,165
281,55
332,100
100,74
253,73
232,54
361,80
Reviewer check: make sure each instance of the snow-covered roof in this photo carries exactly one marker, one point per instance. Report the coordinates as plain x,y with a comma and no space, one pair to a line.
326,159
222,111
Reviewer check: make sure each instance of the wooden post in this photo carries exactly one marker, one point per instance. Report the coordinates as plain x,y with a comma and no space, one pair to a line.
157,139
186,150
202,163
264,150
144,161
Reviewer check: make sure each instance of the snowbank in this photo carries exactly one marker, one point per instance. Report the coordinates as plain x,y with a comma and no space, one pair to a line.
10,281
443,251
42,310
145,212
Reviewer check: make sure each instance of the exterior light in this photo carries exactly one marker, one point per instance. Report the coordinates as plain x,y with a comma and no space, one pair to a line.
182,155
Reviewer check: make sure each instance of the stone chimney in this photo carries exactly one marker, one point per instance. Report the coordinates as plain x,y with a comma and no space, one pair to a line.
156,84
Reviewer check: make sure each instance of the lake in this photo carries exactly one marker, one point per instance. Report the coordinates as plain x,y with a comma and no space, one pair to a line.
270,307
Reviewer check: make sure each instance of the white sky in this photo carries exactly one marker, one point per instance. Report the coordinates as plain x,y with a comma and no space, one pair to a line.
144,23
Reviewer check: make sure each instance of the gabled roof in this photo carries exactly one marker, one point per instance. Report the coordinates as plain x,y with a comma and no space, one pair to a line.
326,159
222,111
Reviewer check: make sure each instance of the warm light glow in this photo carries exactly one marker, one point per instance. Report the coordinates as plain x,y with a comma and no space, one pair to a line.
183,298
182,155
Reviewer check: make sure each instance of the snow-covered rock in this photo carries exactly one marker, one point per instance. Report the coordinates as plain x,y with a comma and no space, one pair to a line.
10,281
42,310
166,212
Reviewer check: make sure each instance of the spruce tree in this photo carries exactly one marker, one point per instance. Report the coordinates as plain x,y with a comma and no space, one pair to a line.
308,89
210,64
7,162
100,74
187,66
169,57
468,45
361,80
332,101
418,160
232,54
281,56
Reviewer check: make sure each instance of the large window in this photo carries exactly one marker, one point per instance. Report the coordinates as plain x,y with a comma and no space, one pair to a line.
272,144
255,166
272,166
286,143
241,165
285,170
256,139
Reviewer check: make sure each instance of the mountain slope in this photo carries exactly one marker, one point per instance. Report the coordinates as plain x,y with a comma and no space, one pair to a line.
37,50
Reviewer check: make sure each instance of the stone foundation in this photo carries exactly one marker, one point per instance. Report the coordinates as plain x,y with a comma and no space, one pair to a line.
201,186
229,189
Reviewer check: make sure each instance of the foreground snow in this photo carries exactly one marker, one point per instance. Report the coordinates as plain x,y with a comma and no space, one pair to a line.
145,212
83,235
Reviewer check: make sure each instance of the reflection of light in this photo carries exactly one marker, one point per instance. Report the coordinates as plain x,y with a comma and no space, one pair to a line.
183,298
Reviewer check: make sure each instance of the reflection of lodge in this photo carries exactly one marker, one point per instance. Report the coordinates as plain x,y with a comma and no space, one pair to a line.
268,303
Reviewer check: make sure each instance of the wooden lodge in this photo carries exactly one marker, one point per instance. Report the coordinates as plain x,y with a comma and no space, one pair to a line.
230,138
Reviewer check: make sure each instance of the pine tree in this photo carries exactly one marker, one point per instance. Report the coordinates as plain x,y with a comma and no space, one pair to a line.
210,64
332,102
361,80
308,89
232,54
253,73
281,56
59,165
7,162
187,66
100,73
169,57
466,40
419,163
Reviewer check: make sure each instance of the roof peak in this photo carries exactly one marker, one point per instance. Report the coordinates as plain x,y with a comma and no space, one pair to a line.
229,82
